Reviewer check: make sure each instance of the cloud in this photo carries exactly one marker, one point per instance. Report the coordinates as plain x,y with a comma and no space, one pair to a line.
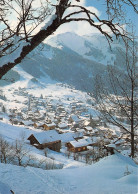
80,28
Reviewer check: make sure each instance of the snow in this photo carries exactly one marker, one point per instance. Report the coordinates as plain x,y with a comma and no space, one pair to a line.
92,140
11,133
79,143
11,57
62,125
88,128
66,137
49,21
47,136
111,145
105,177
52,135
89,46
75,118
4,188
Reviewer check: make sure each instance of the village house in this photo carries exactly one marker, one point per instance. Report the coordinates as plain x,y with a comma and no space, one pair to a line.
74,119
62,125
35,125
88,129
47,139
77,146
50,126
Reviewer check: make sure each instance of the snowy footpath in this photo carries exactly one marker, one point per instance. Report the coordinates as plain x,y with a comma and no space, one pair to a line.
114,174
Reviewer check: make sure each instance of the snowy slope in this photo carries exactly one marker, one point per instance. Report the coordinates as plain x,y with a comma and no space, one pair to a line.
72,59
114,174
104,177
94,47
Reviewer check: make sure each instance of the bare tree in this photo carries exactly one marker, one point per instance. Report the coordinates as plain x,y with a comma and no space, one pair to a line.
21,154
5,151
119,106
4,147
18,40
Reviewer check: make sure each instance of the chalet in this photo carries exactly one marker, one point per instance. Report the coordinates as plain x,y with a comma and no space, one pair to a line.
78,135
74,118
35,125
88,129
47,139
48,126
62,125
77,146
66,137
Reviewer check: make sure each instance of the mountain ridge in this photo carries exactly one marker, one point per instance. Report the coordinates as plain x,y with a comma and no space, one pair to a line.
72,59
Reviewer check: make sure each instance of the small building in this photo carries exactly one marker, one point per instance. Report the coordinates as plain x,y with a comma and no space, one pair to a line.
62,125
88,129
49,126
35,125
74,119
47,139
77,146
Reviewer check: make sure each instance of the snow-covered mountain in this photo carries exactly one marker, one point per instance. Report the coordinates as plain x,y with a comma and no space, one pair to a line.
72,59
94,47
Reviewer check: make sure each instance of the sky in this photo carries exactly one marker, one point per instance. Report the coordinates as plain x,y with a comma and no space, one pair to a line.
99,6
83,28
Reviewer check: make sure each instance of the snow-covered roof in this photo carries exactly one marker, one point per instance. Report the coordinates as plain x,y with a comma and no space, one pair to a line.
51,124
74,118
81,130
79,143
52,135
28,122
88,128
47,136
111,146
62,125
66,137
93,140
78,134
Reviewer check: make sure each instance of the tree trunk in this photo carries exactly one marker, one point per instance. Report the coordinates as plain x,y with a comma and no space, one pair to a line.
132,145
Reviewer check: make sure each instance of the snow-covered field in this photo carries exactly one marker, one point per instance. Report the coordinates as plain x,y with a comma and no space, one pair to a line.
115,174
105,177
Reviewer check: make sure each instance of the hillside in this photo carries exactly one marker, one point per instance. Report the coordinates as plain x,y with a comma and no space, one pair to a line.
72,59
106,176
